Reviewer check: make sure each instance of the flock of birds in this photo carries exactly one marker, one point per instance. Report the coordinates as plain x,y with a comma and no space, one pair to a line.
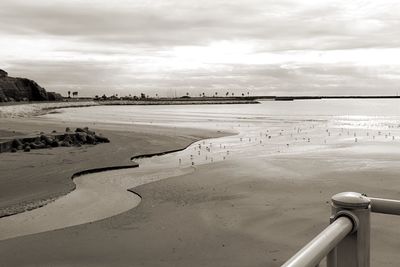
255,140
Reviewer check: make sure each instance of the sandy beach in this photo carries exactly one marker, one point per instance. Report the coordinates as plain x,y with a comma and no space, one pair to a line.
239,210
30,180
214,220
199,133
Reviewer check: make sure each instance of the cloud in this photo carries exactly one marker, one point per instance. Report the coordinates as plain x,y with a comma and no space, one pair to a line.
283,25
272,47
275,79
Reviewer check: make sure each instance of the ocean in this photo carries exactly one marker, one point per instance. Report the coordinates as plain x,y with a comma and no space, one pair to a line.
268,141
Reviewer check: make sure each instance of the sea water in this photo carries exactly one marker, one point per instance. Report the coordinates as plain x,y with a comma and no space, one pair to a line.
260,131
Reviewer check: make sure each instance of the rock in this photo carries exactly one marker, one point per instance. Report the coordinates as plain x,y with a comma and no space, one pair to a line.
65,144
53,96
70,138
21,89
101,139
90,139
37,145
3,97
3,74
17,143
81,137
46,139
74,140
67,130
86,129
78,138
67,138
54,143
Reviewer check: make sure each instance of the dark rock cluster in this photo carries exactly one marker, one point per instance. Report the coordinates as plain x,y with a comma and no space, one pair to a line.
22,89
80,137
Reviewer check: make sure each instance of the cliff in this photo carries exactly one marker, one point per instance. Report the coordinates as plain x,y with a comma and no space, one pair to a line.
22,89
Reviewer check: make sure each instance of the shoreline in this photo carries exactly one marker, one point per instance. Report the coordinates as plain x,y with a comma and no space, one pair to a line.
28,110
32,109
256,208
11,205
102,187
259,213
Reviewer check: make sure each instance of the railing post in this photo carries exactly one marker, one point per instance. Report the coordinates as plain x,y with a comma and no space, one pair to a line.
354,249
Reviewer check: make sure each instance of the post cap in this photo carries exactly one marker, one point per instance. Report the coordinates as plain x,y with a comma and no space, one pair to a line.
351,200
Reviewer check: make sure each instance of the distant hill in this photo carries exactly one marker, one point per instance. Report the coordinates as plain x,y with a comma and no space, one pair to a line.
22,89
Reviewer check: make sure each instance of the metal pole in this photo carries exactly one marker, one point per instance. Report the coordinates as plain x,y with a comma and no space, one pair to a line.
354,249
386,206
318,248
331,258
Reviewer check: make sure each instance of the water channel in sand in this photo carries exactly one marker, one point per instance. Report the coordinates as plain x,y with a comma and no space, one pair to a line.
265,130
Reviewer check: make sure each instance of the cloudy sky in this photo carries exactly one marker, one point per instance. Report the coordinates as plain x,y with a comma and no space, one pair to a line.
282,47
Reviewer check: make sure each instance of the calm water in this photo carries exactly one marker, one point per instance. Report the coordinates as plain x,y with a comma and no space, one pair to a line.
348,108
269,129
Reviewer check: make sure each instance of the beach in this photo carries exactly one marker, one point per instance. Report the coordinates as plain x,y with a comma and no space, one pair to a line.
258,188
33,179
199,133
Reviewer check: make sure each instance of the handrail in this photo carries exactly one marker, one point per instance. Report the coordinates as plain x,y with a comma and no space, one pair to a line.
346,241
385,206
322,244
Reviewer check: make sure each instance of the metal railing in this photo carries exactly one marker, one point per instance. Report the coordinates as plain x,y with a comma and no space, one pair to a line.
346,241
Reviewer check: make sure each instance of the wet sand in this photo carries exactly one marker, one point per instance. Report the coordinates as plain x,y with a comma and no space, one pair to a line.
254,207
210,219
29,180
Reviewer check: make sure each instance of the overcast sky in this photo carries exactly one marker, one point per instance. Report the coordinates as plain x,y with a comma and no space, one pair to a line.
266,47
